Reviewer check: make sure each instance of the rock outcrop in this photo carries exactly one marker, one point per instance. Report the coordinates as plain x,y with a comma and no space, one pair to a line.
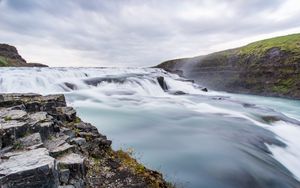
270,67
44,144
9,57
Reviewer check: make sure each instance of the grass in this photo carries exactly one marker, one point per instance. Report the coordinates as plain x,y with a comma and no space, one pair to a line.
3,61
7,118
289,43
17,145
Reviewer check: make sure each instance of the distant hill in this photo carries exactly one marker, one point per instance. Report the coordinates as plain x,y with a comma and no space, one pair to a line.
9,57
269,67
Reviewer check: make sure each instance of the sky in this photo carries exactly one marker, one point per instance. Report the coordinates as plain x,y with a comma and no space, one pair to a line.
138,33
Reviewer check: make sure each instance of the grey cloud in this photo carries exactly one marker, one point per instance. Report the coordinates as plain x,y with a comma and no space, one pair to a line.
136,32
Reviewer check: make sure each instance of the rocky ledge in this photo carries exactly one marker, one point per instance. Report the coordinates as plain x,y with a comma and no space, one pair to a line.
44,144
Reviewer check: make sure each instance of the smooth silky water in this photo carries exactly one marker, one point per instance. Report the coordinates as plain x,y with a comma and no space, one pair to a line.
200,139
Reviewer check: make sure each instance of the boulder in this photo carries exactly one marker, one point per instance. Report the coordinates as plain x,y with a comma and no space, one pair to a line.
58,146
74,164
162,83
34,168
204,89
32,141
65,113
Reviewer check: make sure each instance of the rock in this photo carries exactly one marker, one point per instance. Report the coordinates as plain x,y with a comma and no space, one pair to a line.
87,128
162,83
78,141
13,114
98,80
12,130
179,93
66,113
32,141
66,186
64,175
44,128
70,133
39,116
70,86
270,119
33,102
204,89
58,146
75,164
33,168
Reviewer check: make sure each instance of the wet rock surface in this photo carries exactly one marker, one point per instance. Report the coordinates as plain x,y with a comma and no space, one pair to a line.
44,144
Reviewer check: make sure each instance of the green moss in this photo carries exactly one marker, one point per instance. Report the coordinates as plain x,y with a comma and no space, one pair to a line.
3,61
128,161
282,89
77,120
284,85
17,145
7,118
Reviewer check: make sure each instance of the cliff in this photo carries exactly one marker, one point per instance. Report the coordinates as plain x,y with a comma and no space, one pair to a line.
9,57
44,144
269,67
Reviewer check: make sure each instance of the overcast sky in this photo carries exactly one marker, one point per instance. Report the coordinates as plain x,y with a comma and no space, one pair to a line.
138,32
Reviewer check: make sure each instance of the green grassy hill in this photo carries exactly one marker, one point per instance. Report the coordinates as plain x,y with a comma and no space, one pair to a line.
268,67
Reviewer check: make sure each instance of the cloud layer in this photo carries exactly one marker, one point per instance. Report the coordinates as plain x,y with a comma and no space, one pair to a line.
138,32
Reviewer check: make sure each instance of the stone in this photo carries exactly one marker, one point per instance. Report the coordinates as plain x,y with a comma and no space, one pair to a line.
11,131
86,127
64,175
162,83
67,132
58,146
31,141
204,89
39,116
70,86
78,141
75,164
66,186
66,113
34,168
44,128
179,93
13,114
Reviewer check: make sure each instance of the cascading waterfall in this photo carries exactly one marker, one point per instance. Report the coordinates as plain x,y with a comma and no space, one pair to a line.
208,139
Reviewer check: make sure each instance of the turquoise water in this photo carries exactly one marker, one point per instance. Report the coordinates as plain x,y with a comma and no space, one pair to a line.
200,139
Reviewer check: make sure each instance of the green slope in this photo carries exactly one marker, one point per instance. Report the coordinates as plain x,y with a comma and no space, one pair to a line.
268,67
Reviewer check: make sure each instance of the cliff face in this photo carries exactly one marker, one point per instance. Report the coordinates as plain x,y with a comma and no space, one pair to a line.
9,57
44,144
270,67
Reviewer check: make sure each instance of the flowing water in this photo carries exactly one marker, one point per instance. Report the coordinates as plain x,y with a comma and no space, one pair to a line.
200,139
